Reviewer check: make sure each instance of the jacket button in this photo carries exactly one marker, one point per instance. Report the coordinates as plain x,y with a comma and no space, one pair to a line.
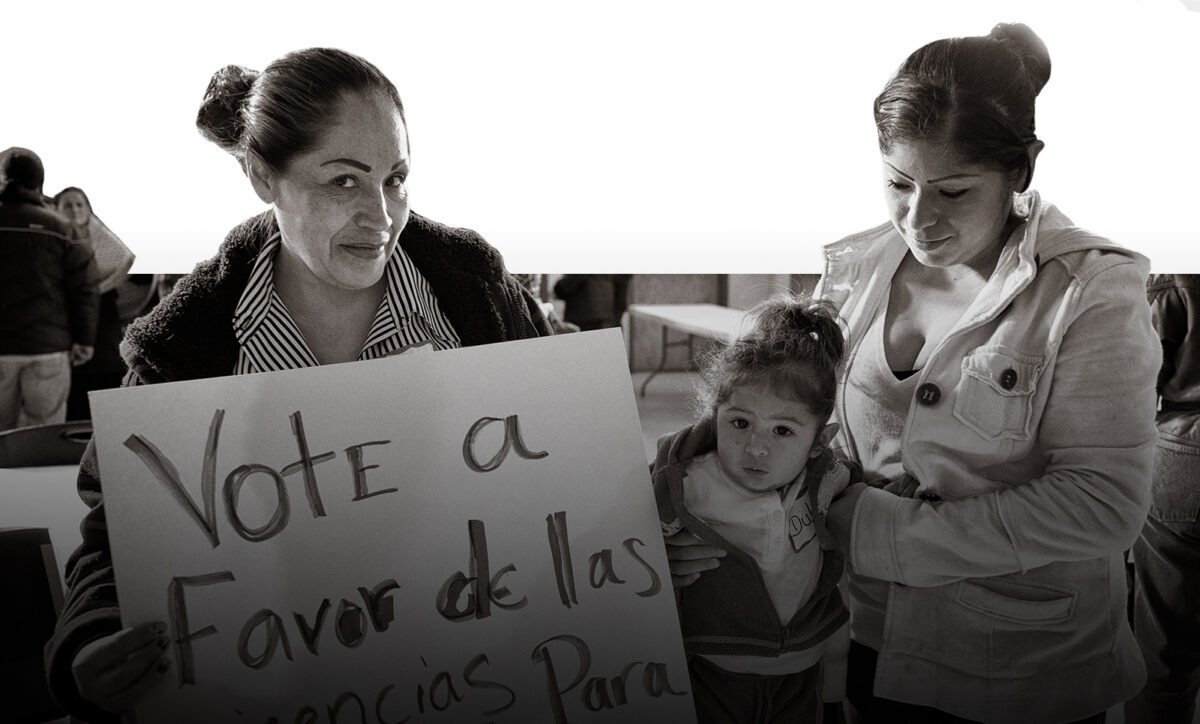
1008,378
928,394
929,495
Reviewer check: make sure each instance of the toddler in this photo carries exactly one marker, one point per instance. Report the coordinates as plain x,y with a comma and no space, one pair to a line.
754,477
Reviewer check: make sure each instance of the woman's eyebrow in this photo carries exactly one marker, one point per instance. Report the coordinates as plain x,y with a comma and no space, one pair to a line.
349,162
951,177
362,166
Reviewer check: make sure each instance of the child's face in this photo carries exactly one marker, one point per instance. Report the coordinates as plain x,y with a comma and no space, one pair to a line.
764,440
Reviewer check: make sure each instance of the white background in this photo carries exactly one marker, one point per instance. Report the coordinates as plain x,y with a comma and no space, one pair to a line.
614,136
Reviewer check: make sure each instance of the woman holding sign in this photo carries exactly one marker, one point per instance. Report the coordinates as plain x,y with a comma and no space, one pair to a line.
337,270
1001,381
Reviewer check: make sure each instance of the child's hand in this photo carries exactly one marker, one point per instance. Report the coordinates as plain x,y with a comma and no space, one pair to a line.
837,477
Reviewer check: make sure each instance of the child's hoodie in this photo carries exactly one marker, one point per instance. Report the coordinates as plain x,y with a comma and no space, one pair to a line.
728,610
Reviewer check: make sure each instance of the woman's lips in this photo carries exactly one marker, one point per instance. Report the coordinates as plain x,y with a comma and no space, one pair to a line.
364,251
929,243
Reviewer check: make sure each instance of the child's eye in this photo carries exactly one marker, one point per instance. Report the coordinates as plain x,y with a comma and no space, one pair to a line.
346,182
954,194
782,431
739,423
898,185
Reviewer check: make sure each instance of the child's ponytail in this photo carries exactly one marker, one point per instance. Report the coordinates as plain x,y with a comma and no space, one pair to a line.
795,348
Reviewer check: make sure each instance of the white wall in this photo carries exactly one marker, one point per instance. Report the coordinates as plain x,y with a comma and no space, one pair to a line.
622,136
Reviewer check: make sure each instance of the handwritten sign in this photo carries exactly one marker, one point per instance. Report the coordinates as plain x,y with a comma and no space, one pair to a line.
442,537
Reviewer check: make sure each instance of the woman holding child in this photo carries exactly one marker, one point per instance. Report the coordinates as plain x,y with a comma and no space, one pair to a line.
999,386
337,270
999,377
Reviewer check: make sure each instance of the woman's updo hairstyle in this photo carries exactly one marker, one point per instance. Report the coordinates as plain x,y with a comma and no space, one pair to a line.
282,111
976,93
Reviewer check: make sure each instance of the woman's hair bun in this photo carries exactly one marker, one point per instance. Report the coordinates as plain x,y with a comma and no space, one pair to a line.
1029,48
221,118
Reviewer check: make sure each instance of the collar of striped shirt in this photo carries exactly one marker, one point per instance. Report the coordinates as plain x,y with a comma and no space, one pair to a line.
269,340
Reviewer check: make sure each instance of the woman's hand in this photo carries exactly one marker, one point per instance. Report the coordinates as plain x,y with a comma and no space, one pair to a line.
688,556
113,672
904,486
841,515
835,481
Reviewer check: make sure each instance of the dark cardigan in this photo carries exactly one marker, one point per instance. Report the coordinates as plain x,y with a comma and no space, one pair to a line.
189,336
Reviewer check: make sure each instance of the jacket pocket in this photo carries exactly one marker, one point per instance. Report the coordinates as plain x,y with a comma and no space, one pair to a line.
1175,496
990,628
1017,603
996,390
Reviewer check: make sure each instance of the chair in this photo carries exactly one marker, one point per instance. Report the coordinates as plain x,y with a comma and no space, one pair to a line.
60,443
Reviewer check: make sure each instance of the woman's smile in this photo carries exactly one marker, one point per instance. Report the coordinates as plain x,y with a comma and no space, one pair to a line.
365,249
928,244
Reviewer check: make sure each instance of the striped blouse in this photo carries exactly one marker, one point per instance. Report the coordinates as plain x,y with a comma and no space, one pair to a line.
269,340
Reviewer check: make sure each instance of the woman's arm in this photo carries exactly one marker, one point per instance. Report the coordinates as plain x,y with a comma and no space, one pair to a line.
90,617
1097,434
90,610
533,311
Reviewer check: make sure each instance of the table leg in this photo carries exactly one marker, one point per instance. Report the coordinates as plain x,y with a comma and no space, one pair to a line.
662,362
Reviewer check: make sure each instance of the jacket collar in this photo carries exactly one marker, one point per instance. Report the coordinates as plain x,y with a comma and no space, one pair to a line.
1047,233
680,447
190,334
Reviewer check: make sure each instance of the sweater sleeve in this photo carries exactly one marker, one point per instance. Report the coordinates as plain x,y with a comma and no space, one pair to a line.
523,316
533,309
1090,500
90,610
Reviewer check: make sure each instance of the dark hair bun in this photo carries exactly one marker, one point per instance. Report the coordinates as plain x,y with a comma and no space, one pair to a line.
1029,48
221,117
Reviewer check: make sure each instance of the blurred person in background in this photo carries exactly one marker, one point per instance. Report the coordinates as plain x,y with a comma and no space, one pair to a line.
593,301
113,262
1166,556
48,298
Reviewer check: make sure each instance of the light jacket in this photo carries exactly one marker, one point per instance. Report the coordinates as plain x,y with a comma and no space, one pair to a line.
1007,600
729,610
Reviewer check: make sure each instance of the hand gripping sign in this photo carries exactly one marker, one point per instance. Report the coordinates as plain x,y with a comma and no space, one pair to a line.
448,537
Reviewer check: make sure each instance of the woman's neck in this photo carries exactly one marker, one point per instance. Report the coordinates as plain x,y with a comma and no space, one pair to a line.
970,276
335,321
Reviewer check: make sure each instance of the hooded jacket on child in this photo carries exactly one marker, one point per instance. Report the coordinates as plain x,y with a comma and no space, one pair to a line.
728,610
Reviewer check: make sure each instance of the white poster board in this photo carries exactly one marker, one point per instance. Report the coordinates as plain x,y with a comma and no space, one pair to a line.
445,536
